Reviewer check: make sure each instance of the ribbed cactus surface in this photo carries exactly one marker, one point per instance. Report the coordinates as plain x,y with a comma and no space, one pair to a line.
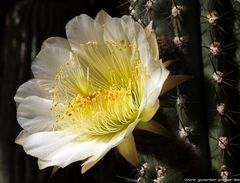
201,39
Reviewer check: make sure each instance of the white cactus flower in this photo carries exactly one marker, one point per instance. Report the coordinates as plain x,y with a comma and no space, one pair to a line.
90,91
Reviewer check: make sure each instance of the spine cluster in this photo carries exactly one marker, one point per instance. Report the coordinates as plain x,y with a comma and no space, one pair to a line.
199,39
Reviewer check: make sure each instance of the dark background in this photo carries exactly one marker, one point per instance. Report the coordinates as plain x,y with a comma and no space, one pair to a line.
24,25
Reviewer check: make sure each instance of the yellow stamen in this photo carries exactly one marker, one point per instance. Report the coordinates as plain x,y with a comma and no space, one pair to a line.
99,91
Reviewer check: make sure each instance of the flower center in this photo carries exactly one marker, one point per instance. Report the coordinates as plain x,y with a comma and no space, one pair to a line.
103,112
99,91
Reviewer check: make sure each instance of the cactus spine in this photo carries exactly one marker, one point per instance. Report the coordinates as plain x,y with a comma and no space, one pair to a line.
201,38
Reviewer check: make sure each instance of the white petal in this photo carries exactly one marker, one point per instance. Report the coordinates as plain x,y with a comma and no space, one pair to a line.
58,42
152,40
124,28
149,111
155,84
34,114
92,161
41,144
75,151
102,17
150,103
21,137
48,62
127,29
83,29
44,164
60,148
115,141
114,30
128,150
31,88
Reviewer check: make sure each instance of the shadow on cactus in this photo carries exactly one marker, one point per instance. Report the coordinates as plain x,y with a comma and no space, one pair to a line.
201,39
